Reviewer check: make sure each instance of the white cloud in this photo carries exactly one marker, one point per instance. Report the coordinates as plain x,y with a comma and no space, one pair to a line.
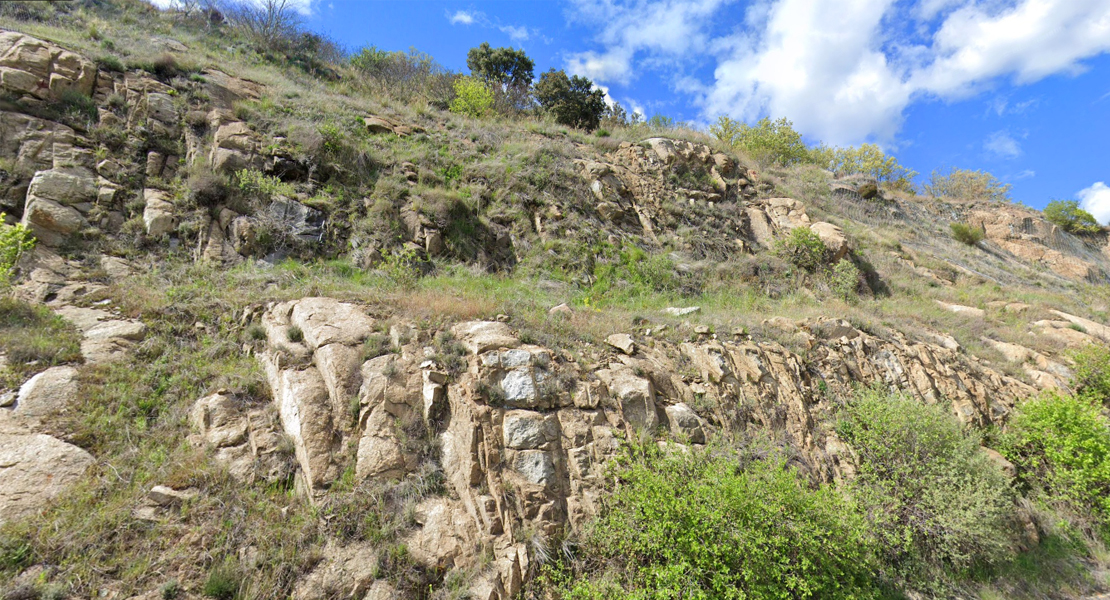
1096,200
671,29
462,17
844,71
515,33
1026,174
1003,145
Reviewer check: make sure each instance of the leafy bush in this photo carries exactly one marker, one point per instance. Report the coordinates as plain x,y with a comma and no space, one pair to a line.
803,248
844,280
1061,444
405,75
768,142
967,234
255,182
1069,217
627,271
709,525
870,160
967,184
14,241
935,503
472,97
573,101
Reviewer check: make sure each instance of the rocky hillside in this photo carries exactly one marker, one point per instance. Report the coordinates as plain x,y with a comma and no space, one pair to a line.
283,334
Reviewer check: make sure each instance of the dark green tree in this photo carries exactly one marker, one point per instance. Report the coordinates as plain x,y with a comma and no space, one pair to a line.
572,100
505,66
1068,215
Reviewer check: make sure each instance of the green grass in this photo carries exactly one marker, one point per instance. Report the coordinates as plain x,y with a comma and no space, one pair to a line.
34,338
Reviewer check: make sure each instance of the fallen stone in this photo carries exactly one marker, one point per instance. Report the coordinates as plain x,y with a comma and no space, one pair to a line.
675,311
36,468
47,393
482,336
684,422
561,309
622,342
959,309
167,496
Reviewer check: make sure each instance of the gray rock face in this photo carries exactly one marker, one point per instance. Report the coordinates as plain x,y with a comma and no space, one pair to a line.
158,215
636,395
535,466
528,430
684,422
520,387
483,336
47,393
35,468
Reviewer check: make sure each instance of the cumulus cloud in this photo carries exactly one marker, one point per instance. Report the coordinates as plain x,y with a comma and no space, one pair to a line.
1096,200
461,17
1003,145
843,71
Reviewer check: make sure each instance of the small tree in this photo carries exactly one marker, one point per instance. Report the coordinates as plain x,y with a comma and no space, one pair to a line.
1071,218
472,97
573,101
967,184
768,142
271,24
870,160
504,66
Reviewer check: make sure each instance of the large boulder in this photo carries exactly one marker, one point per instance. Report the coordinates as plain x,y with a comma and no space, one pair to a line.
32,67
35,468
158,213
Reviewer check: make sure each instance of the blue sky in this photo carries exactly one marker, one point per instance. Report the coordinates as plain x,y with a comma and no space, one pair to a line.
1019,88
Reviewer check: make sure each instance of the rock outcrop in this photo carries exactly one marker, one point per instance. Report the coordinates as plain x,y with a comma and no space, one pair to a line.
518,417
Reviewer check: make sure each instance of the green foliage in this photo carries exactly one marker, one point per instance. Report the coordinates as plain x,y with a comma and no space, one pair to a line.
768,142
967,234
803,248
255,182
870,160
844,280
627,271
14,241
223,582
1092,373
1061,444
573,101
404,75
936,505
503,66
968,185
473,97
705,525
1069,217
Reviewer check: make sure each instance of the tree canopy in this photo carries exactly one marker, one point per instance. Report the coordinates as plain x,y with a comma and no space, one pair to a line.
572,100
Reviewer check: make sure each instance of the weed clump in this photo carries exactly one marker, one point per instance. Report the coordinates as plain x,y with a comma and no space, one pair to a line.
966,234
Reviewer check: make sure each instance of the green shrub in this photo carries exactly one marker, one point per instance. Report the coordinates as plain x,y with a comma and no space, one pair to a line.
936,505
870,160
1061,444
223,582
844,280
255,182
967,234
711,525
1069,217
472,97
110,63
803,248
967,184
295,334
14,241
768,142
